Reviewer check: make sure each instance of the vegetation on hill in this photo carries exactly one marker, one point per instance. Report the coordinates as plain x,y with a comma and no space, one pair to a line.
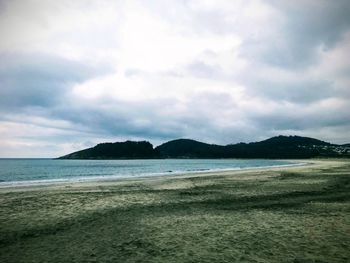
280,147
186,148
117,150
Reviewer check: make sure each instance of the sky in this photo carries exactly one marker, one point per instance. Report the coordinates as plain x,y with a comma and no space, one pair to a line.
77,73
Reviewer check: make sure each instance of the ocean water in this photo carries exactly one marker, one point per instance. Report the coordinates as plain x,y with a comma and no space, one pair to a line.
39,171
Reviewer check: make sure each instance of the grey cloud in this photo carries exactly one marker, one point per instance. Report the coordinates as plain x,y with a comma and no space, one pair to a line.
111,117
203,70
295,88
298,91
118,118
38,79
300,29
299,119
307,27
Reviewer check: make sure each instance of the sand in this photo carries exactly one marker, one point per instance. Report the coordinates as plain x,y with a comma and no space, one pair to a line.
281,214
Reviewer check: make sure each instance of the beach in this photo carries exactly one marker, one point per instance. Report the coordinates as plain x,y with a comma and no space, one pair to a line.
274,214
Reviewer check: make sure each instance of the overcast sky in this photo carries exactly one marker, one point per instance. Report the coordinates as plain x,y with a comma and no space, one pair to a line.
76,73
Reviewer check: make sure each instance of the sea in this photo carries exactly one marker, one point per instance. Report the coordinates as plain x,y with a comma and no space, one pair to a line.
45,171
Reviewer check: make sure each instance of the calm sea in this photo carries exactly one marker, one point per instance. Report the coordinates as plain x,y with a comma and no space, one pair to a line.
38,171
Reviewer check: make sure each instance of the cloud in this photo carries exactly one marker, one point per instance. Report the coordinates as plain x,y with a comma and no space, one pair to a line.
38,79
295,87
304,29
73,74
327,113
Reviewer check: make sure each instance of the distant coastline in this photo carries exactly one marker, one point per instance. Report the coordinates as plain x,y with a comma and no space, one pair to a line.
279,147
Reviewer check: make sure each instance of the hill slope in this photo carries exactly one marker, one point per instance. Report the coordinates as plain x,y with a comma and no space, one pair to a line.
186,148
117,150
280,147
275,147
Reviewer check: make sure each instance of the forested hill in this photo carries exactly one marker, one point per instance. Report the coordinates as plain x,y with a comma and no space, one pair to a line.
280,147
117,150
186,148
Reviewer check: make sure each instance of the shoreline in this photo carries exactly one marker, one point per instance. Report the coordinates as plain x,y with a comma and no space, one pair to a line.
98,181
117,178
